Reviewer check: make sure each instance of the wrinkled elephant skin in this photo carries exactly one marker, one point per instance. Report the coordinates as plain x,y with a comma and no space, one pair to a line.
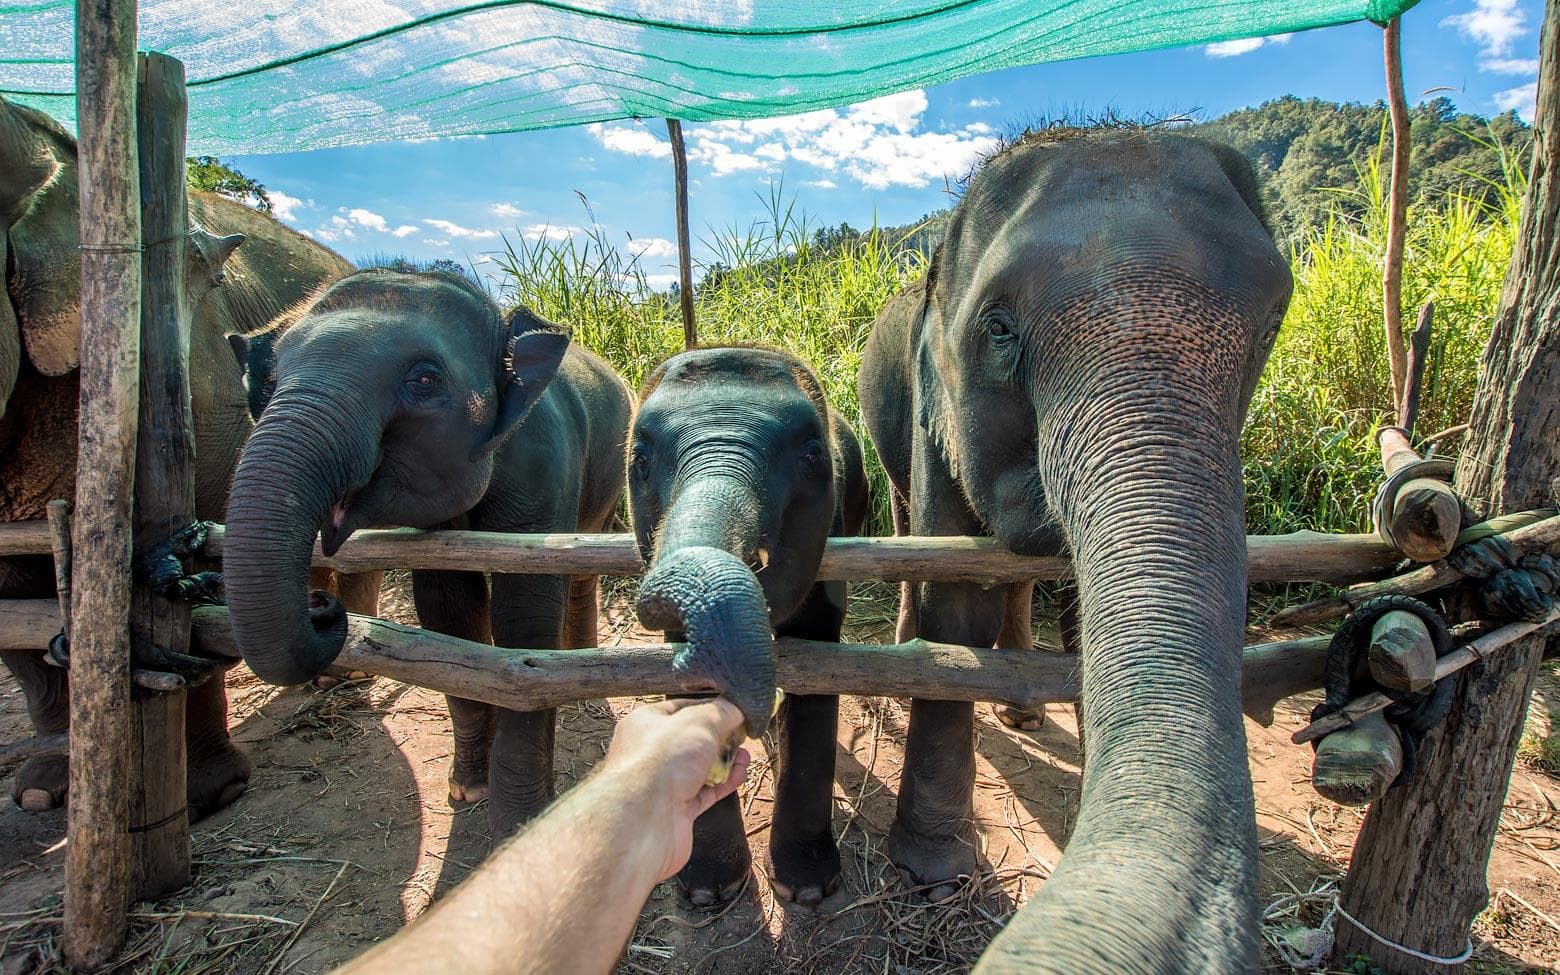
739,472
1073,373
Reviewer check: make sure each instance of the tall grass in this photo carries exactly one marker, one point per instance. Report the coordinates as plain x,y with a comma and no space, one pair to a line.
1310,456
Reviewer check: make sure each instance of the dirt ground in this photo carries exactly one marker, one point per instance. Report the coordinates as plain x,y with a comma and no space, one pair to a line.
346,833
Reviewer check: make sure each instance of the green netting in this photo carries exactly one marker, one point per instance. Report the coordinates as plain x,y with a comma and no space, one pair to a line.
284,75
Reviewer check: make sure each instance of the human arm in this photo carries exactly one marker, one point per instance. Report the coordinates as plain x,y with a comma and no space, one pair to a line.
563,895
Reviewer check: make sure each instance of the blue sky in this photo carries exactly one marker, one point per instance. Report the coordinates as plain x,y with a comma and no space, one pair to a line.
886,160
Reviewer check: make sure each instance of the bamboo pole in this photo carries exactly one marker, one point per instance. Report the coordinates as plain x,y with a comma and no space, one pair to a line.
164,480
533,680
684,252
1397,212
97,856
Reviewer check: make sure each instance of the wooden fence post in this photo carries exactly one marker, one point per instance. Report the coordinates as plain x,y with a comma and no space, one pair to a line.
97,864
1417,876
1397,214
684,254
164,479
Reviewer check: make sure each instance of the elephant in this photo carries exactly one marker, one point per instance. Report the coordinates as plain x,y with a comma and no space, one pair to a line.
407,399
229,289
1072,375
736,450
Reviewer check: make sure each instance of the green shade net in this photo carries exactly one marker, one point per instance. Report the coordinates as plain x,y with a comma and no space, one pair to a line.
285,75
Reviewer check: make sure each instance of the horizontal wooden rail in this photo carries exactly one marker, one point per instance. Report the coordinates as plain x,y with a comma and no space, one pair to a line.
1297,557
536,679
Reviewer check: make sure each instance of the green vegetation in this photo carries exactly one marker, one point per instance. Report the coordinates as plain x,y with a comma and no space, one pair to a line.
212,175
1309,443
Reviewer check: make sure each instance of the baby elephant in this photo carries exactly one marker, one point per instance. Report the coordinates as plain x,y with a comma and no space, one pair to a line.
736,450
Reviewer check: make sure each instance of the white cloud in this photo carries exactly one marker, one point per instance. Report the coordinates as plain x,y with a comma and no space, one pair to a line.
506,210
660,282
285,206
879,143
1230,49
984,102
369,220
634,140
822,184
651,247
405,230
339,228
436,242
456,230
541,231
1494,24
1523,98
1510,65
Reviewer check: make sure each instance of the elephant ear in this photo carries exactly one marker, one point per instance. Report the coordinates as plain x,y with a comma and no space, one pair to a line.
10,340
929,391
45,278
536,351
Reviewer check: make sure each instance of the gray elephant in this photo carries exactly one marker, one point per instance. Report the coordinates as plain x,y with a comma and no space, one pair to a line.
739,465
273,269
399,400
1073,373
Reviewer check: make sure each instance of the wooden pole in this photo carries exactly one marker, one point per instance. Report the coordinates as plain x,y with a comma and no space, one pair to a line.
164,479
1423,516
1418,872
1397,214
532,680
1296,557
684,252
97,856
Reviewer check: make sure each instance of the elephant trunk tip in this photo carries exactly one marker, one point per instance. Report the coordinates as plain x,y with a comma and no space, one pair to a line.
715,599
318,644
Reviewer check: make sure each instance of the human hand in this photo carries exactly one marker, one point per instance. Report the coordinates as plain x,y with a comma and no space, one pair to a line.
663,753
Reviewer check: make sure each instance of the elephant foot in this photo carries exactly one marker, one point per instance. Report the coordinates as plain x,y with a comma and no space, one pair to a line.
1019,719
804,872
215,781
946,862
705,898
42,784
468,785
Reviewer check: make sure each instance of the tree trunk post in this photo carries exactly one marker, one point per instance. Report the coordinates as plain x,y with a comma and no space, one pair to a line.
684,255
1418,872
164,479
1397,214
97,857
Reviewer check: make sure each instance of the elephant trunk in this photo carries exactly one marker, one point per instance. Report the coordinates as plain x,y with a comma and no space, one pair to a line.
1160,873
303,459
699,583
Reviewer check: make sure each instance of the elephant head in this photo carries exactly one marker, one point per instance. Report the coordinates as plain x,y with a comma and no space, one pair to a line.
1092,331
393,393
40,217
732,487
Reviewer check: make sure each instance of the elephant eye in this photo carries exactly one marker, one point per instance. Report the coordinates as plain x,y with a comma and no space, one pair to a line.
812,454
640,461
422,378
999,324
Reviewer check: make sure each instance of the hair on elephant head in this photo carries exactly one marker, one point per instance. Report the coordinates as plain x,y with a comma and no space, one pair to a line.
393,391
1074,373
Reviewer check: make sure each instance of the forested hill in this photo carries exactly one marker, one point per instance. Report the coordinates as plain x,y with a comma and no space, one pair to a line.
1312,154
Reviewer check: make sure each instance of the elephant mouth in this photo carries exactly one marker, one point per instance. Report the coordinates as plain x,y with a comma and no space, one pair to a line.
336,530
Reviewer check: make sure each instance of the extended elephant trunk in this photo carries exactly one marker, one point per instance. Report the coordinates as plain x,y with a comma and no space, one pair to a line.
295,471
1160,873
699,583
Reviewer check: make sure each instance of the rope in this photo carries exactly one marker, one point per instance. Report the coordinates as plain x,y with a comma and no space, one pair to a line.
130,248
1456,959
1512,585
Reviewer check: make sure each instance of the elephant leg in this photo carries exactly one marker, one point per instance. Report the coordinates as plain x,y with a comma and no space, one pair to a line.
580,629
933,838
41,783
804,860
217,772
1018,633
527,612
456,603
899,508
